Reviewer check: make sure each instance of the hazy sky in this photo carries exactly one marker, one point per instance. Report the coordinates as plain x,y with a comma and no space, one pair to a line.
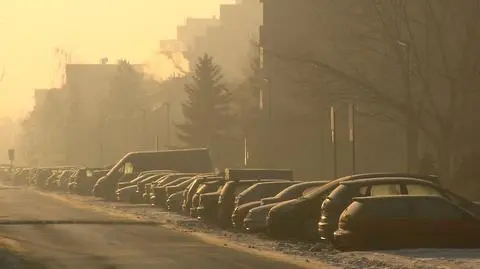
30,30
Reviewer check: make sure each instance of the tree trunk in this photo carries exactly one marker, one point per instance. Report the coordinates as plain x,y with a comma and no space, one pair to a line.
412,136
445,158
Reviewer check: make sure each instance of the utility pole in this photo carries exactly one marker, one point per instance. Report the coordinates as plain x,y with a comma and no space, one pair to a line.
268,87
245,152
411,134
352,123
167,107
334,140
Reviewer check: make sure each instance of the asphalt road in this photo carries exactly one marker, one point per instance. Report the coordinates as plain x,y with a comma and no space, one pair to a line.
85,246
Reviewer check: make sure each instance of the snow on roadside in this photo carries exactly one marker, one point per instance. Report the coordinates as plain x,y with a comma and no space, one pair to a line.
399,259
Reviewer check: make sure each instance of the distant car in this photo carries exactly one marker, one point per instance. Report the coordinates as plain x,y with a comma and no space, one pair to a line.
160,194
133,163
342,196
251,198
293,192
190,192
174,201
206,187
299,218
128,193
228,194
406,221
255,220
208,204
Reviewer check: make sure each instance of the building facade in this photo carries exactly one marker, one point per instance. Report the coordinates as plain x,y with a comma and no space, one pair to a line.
230,41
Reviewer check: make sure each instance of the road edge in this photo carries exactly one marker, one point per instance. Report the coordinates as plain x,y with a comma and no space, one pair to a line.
206,238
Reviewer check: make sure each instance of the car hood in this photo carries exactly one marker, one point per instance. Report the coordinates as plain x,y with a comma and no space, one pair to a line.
271,200
248,206
286,205
260,213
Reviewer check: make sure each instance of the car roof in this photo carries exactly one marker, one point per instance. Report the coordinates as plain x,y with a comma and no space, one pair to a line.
308,183
333,183
393,174
381,180
276,182
366,199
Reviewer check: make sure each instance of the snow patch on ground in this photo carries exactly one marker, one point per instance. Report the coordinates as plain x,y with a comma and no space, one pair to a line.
298,251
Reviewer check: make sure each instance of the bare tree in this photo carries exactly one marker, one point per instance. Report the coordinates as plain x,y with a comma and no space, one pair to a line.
417,59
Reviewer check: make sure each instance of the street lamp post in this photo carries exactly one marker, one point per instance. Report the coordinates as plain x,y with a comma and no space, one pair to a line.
144,127
168,127
334,140
352,127
167,107
269,115
411,132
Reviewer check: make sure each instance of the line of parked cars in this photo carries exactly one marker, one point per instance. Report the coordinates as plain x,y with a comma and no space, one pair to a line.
363,211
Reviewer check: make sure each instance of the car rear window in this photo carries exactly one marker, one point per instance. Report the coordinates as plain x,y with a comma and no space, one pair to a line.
418,189
385,189
343,192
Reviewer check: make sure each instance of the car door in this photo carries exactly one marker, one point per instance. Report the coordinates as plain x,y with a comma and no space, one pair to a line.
438,223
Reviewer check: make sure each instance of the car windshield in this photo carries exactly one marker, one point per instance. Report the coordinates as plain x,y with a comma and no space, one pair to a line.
321,190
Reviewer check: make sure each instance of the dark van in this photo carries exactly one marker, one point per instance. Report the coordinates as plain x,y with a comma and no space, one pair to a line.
183,160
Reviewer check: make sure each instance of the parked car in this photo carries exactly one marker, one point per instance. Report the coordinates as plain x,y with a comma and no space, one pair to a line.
299,217
182,160
190,192
159,196
342,196
293,192
84,179
251,198
128,193
256,218
181,187
208,204
141,176
206,187
156,189
406,221
174,201
227,197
